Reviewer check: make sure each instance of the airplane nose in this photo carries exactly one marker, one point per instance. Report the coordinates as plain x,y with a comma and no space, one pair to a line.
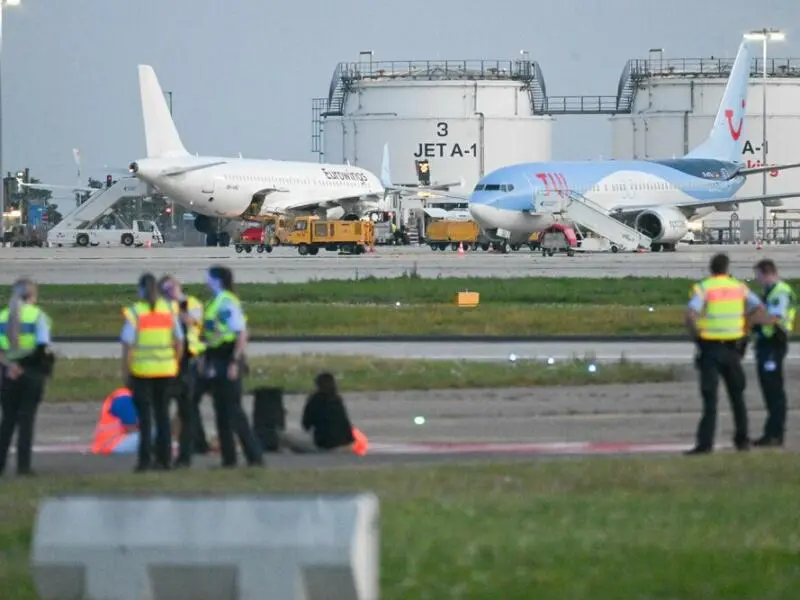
483,213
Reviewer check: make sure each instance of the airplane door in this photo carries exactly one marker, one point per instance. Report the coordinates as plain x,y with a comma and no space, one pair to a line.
208,187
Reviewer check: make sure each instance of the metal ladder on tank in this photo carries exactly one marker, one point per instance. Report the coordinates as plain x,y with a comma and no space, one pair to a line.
578,209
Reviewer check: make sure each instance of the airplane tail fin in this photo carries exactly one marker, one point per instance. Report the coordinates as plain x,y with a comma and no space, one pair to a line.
161,135
386,172
723,141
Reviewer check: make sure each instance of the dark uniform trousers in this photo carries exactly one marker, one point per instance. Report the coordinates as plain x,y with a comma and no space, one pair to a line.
770,354
721,359
231,418
188,391
151,398
19,399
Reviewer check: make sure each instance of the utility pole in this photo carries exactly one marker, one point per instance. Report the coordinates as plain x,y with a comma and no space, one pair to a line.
171,201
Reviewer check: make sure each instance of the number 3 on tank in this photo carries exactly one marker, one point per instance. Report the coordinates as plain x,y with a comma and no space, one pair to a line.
441,129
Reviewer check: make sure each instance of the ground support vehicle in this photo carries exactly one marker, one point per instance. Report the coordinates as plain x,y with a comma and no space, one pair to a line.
310,234
558,238
252,237
141,233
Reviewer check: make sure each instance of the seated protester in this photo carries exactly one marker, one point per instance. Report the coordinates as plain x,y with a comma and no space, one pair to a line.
325,422
117,430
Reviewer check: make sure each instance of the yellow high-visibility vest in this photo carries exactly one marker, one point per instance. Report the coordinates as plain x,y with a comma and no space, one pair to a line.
787,320
26,342
723,316
215,332
153,352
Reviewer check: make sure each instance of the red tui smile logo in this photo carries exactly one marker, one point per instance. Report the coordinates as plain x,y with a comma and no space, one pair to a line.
735,131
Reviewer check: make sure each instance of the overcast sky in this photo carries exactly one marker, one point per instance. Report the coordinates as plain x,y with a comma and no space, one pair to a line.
243,72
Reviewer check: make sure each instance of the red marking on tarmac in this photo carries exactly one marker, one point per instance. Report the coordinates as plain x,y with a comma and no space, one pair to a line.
551,448
444,448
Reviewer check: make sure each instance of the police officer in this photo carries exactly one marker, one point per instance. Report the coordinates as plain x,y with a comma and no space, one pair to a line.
225,337
187,390
26,361
771,346
152,344
717,319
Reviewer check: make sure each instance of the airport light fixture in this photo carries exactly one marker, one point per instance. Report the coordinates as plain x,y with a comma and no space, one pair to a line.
765,36
3,5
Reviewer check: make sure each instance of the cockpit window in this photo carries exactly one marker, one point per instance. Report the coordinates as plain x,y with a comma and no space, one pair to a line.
494,187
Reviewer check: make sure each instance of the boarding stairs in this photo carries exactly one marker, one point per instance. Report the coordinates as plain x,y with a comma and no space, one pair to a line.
578,209
100,203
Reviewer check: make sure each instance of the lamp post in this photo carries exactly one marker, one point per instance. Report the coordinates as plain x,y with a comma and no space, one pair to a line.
764,36
171,201
3,4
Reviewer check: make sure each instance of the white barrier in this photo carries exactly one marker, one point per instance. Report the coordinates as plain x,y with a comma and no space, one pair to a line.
288,547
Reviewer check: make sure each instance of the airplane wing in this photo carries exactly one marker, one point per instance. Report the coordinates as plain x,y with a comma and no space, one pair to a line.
753,170
770,199
181,170
46,186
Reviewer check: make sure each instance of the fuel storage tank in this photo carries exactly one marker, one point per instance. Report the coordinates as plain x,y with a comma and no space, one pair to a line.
676,100
466,118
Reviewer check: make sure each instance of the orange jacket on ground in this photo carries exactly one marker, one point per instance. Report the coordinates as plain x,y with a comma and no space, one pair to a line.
361,443
110,430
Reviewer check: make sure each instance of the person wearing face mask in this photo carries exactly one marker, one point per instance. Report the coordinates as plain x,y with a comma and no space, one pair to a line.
26,362
225,338
187,389
771,347
152,345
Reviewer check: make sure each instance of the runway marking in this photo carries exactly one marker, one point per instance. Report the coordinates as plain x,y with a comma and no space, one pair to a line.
551,448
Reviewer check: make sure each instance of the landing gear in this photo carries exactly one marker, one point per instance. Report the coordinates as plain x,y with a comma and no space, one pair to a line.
663,247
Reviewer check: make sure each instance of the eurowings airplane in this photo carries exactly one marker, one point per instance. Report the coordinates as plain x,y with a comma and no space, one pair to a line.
237,188
654,197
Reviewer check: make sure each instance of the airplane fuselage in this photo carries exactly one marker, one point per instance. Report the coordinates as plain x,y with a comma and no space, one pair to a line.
228,190
525,198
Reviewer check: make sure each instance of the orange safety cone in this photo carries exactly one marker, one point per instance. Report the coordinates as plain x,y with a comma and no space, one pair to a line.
758,244
461,248
147,243
361,443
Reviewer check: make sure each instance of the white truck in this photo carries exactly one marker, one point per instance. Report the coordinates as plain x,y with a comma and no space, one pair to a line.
140,233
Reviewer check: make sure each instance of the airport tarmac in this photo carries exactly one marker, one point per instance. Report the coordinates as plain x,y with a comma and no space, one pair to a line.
602,352
124,265
466,425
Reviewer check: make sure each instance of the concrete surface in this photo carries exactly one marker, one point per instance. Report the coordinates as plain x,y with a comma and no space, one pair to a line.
310,546
645,352
558,419
124,265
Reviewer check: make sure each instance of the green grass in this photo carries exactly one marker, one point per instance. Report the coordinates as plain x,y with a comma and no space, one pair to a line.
716,528
432,319
78,380
414,290
525,306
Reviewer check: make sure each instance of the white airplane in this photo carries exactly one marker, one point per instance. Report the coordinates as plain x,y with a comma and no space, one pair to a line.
234,189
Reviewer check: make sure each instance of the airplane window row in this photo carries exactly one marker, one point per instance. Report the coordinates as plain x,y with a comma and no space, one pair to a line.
614,187
494,187
293,180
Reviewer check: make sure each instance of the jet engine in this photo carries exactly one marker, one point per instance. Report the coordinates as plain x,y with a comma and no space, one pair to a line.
204,223
662,225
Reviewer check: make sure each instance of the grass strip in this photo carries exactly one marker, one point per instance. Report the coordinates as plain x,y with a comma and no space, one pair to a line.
78,380
633,291
581,529
433,319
